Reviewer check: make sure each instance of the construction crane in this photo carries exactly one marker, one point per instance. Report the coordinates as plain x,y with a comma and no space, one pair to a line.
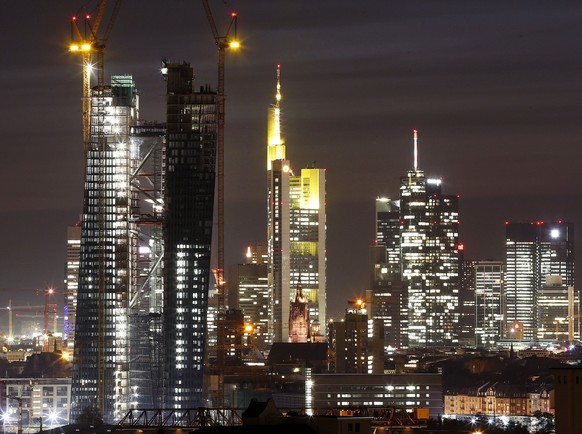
91,47
18,399
222,42
11,309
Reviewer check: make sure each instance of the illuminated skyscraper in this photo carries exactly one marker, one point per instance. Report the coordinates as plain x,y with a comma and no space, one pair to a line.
533,251
388,231
295,230
466,325
107,270
187,232
488,303
307,231
71,286
254,298
429,238
558,311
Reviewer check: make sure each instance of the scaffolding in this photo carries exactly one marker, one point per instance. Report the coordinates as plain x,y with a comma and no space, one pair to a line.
146,367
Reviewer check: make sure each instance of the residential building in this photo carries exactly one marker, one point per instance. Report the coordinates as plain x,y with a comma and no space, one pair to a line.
33,403
189,182
497,399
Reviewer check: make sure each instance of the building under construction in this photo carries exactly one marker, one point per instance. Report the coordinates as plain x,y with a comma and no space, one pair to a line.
189,183
118,349
108,272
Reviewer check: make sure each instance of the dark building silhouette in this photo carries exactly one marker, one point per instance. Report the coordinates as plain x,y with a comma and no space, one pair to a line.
189,178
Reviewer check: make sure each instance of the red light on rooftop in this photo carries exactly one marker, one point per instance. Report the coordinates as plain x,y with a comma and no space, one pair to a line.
560,221
234,14
87,17
506,222
461,247
74,18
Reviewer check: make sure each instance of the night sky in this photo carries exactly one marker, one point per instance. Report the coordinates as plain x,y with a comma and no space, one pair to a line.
494,88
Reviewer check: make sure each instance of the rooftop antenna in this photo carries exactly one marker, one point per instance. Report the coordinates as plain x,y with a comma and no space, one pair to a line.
278,94
415,150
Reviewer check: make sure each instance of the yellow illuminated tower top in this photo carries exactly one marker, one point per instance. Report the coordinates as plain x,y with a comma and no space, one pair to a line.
275,146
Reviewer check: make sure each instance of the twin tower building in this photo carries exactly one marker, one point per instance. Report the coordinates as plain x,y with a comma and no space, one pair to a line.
139,261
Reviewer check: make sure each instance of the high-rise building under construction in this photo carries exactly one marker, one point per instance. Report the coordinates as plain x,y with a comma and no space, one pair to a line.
295,236
107,270
189,181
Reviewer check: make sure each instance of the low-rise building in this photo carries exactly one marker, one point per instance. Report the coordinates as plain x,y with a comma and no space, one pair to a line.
497,399
374,392
36,402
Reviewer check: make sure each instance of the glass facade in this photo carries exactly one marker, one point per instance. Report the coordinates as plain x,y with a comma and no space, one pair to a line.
107,270
488,306
189,181
307,246
533,251
429,239
71,287
295,231
254,298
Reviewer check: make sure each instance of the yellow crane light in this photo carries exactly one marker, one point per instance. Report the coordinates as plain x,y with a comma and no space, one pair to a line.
83,47
234,44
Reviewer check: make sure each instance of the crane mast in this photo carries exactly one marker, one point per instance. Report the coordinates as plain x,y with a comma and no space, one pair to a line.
222,42
91,45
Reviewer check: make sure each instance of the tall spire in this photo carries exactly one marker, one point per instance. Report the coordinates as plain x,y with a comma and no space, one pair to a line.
415,149
276,137
276,147
278,94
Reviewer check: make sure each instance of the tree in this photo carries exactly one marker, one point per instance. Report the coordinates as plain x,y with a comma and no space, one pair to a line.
90,416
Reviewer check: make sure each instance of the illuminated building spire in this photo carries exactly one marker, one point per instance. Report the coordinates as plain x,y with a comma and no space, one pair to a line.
278,94
415,149
276,147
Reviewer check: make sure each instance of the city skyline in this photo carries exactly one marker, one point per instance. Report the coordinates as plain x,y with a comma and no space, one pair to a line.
491,88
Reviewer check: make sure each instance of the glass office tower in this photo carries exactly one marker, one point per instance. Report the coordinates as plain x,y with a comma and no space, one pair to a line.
189,181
